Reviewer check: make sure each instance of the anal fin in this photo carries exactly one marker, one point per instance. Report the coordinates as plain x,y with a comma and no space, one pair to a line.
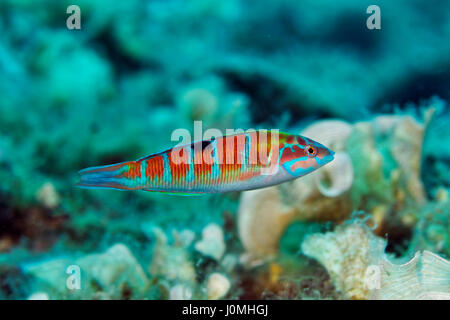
177,193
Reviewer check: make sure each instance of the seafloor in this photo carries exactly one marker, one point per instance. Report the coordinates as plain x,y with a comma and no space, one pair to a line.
137,70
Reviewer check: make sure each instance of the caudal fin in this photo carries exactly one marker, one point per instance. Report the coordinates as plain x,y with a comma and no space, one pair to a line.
114,176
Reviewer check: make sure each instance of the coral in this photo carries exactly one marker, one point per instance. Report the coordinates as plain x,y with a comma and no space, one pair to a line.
212,243
406,149
346,253
137,70
39,296
200,104
38,228
14,283
359,267
217,286
288,277
114,269
114,274
339,173
48,196
184,237
372,171
207,100
171,262
262,220
180,292
424,277
431,229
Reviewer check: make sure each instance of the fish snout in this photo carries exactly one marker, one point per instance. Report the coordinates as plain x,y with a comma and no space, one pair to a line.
325,155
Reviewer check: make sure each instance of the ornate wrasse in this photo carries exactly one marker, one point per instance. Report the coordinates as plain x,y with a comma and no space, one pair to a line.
236,162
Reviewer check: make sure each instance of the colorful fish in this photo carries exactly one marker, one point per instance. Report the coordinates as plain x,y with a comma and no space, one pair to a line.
236,162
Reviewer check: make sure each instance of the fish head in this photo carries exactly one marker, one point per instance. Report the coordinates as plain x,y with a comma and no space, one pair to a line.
300,155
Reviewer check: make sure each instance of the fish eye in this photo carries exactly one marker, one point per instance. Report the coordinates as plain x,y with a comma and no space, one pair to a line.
310,151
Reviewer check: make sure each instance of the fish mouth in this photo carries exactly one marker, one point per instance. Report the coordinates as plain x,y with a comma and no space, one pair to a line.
326,159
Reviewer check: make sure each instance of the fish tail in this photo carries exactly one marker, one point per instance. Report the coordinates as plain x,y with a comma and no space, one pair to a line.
114,176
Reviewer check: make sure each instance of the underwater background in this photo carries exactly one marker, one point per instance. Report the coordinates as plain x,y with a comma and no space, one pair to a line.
116,89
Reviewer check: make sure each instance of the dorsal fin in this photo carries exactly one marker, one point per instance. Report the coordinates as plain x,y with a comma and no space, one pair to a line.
153,155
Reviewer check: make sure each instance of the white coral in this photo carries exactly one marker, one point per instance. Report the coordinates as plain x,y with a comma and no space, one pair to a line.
359,267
